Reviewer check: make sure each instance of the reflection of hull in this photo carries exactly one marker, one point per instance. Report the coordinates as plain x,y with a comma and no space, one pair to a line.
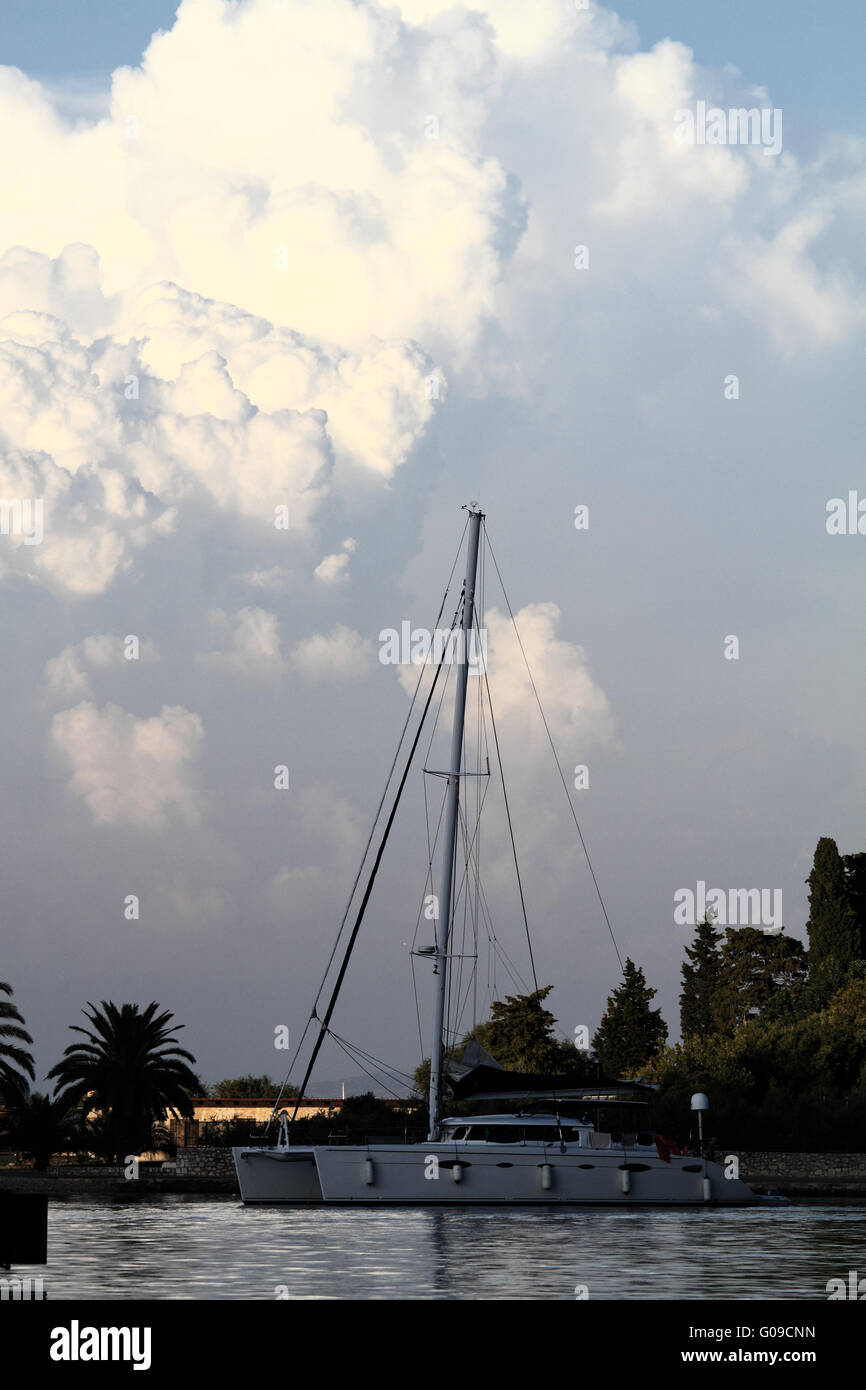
277,1175
499,1174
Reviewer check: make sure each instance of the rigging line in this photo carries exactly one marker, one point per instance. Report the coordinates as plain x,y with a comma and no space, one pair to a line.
369,889
369,841
428,878
378,1080
555,754
387,1067
511,830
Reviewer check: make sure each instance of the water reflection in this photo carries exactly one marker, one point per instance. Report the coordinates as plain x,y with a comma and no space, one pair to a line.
205,1248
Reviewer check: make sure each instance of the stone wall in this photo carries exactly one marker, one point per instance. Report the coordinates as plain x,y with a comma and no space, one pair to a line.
757,1163
204,1163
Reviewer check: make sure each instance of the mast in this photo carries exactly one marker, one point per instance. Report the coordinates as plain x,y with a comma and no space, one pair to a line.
451,818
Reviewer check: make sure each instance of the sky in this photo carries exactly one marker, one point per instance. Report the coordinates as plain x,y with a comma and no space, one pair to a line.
368,263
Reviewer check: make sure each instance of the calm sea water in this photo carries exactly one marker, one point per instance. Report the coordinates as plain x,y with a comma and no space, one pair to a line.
190,1248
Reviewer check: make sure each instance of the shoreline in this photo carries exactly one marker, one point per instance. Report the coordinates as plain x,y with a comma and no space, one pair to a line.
71,1187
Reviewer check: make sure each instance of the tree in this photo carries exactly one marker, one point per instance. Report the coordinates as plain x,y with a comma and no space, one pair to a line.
254,1086
834,932
630,1033
755,966
700,973
40,1127
519,1035
855,880
130,1070
16,1063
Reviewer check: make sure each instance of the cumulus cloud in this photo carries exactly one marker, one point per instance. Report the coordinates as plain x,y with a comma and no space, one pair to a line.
130,770
338,655
274,577
250,644
575,705
197,181
334,569
205,307
69,674
115,448
573,702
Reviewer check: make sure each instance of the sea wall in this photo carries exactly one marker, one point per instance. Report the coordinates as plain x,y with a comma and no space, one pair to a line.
205,1163
211,1170
802,1171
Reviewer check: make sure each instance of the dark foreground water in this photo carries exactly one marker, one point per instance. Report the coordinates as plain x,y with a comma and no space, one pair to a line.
185,1248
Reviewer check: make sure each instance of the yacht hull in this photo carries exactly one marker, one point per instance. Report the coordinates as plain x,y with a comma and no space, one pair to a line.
277,1175
424,1175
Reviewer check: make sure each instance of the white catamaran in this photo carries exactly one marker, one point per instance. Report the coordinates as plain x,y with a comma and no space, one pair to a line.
545,1151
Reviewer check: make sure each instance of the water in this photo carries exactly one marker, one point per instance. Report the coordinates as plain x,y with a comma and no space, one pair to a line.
189,1248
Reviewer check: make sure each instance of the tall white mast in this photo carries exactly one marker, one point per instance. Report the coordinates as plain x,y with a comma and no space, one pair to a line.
452,795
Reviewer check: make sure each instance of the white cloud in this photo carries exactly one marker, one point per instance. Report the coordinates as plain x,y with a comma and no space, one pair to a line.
68,674
127,769
338,655
275,577
334,569
575,706
279,291
250,643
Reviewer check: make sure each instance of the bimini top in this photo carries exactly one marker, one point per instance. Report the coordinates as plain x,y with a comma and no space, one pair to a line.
486,1082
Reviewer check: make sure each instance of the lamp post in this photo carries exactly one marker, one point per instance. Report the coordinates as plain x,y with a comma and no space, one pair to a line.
700,1103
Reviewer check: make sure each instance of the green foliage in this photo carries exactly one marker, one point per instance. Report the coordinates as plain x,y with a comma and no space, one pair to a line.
700,974
130,1071
421,1075
231,1133
834,931
754,967
16,1063
251,1086
778,1082
40,1127
855,879
631,1033
519,1035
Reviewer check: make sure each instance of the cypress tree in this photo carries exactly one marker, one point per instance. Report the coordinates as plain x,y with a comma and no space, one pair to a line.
700,973
834,932
855,878
630,1033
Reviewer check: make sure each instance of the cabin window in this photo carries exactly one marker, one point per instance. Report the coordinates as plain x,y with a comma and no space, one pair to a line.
504,1134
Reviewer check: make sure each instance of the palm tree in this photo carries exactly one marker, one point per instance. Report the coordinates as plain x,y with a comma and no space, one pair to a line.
130,1070
40,1127
13,1059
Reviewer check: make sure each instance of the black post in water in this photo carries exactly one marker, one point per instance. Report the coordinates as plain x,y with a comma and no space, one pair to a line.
23,1229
